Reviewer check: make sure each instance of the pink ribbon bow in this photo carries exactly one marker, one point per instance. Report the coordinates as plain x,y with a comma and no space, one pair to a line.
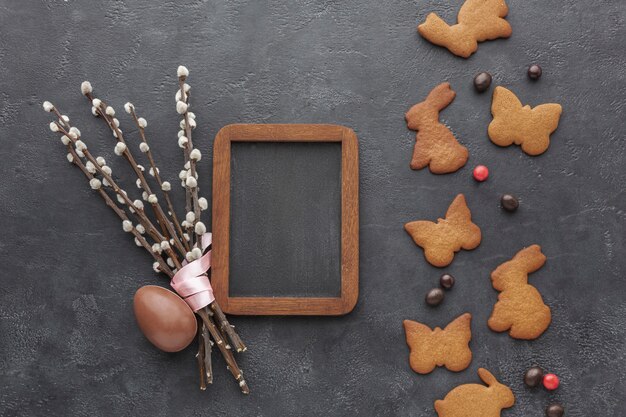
191,281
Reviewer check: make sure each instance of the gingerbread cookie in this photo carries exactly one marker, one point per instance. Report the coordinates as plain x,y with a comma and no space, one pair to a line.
478,21
516,124
520,308
475,400
442,239
435,145
448,347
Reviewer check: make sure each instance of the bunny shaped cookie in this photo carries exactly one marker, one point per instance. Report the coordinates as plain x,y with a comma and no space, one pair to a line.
478,21
475,400
520,308
522,125
442,239
435,146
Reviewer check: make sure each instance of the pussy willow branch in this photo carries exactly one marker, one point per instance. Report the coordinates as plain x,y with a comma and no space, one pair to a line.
159,180
143,219
76,160
224,325
166,226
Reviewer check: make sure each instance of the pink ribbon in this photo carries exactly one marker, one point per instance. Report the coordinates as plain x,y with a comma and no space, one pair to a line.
191,281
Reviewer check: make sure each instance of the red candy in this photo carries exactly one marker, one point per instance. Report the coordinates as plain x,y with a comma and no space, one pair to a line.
551,382
481,173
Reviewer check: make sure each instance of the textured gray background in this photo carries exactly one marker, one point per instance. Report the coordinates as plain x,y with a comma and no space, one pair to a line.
69,343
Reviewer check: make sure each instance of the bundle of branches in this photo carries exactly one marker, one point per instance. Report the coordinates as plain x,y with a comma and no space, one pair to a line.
170,242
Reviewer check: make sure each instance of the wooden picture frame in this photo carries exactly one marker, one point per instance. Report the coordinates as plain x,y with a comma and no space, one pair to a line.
349,219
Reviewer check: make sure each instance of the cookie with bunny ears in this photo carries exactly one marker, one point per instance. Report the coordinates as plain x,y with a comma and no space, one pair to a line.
475,400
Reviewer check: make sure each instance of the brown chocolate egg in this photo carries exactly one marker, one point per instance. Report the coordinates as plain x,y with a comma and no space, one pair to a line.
164,318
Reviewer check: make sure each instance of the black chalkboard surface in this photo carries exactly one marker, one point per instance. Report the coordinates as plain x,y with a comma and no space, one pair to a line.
285,230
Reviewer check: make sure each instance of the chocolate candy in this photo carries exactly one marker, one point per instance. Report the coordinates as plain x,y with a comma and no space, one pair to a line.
533,376
481,173
434,297
555,410
164,318
446,281
551,382
509,202
482,81
534,72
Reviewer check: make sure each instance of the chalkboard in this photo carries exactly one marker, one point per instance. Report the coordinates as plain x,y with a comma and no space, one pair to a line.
286,226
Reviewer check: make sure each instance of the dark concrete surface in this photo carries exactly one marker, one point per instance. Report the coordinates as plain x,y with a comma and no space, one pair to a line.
68,341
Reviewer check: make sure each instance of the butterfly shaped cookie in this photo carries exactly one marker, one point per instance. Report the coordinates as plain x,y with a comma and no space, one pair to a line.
522,125
442,239
436,347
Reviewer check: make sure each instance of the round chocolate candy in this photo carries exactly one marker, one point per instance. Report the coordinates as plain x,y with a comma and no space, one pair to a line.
555,410
509,202
533,376
482,81
551,382
481,173
534,72
434,297
446,281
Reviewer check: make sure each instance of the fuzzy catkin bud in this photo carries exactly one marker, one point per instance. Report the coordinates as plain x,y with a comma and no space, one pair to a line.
182,175
166,186
190,217
156,248
142,122
182,72
187,166
140,229
120,148
47,106
128,107
152,199
195,154
165,245
96,102
181,133
138,183
66,141
200,228
191,115
70,158
127,226
203,203
143,147
182,141
144,195
94,111
121,199
116,122
107,169
191,182
137,242
80,145
101,161
54,127
74,132
181,107
189,257
151,171
170,262
86,88
91,168
196,253
138,204
141,168
156,268
110,111
95,183
192,123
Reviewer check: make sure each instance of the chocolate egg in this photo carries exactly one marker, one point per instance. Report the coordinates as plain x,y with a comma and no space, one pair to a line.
164,318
